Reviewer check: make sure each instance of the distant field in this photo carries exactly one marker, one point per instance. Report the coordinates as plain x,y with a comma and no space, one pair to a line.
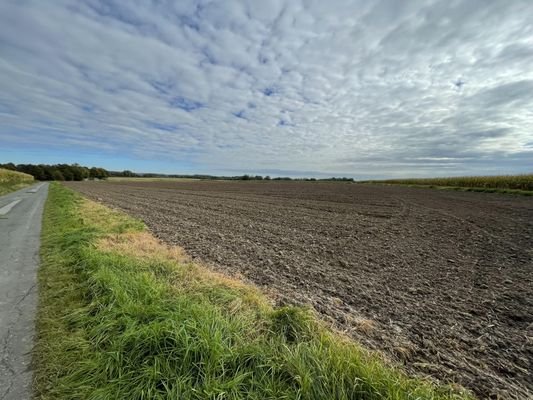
503,183
11,181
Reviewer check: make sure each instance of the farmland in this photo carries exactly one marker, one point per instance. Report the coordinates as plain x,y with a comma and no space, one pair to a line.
439,281
12,180
124,316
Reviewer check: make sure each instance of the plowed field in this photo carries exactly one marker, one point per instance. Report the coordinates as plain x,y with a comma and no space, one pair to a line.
440,281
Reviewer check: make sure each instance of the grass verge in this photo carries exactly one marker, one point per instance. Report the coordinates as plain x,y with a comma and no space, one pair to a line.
122,316
11,181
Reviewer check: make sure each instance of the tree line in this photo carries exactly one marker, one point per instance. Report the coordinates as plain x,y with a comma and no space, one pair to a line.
58,172
76,172
245,177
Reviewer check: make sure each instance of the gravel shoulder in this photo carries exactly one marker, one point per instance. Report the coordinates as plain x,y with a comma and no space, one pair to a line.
439,281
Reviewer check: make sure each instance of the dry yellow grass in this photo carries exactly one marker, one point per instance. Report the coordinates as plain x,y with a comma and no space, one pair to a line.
8,176
97,214
365,326
12,180
142,245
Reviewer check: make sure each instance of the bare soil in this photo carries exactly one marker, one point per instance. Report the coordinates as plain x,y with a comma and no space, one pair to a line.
439,281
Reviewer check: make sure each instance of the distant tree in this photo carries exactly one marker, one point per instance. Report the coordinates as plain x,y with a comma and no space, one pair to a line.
48,172
9,166
79,173
85,172
35,170
258,178
98,173
267,178
23,168
66,171
58,172
57,175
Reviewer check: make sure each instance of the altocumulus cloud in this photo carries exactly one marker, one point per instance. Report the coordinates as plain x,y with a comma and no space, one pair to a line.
361,88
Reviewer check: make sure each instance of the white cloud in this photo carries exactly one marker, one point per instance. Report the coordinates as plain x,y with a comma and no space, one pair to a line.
351,87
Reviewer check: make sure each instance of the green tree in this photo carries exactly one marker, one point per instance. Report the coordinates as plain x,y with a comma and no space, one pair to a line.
57,175
98,173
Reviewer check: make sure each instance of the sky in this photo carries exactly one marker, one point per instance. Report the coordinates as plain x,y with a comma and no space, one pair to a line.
366,89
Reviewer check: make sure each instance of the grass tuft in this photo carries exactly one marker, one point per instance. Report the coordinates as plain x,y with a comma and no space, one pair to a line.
293,324
118,320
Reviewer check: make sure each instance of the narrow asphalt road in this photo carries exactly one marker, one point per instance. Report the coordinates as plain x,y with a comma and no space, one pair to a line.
20,229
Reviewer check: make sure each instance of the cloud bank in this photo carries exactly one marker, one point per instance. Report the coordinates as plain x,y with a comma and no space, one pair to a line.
382,88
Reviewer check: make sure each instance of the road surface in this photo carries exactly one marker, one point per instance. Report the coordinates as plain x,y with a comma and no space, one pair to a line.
20,229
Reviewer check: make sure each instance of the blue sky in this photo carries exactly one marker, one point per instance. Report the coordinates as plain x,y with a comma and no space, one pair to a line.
355,88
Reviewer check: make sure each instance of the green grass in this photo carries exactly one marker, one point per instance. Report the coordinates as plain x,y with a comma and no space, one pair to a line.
119,321
510,184
11,181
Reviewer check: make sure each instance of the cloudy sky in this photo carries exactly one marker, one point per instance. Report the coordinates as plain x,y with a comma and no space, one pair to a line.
294,87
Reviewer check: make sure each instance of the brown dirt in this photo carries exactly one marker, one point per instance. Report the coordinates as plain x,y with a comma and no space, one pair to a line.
440,281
